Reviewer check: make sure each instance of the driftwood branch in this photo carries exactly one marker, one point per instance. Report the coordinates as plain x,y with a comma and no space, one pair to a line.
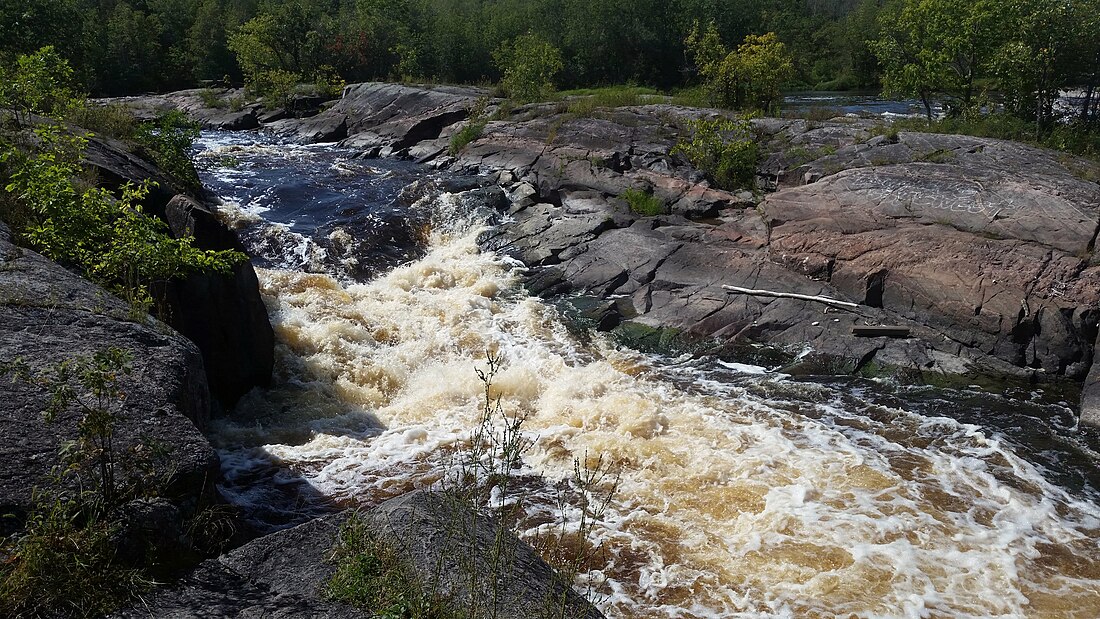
791,295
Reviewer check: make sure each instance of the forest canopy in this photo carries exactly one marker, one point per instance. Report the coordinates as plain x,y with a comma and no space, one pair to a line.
951,51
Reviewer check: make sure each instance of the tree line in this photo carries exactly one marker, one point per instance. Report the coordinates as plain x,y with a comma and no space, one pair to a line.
950,51
127,46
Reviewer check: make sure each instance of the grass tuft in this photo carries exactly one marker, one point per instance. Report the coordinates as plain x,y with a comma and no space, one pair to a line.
371,575
643,202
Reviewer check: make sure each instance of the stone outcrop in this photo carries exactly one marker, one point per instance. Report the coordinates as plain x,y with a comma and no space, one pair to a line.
982,249
223,314
449,546
49,315
227,114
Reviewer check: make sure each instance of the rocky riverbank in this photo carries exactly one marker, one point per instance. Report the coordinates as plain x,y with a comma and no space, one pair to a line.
979,252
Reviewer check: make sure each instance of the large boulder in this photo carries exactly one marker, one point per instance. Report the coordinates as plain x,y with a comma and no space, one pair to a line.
454,552
223,314
49,315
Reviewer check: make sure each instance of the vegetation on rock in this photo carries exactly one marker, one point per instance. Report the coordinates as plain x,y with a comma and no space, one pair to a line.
724,149
108,237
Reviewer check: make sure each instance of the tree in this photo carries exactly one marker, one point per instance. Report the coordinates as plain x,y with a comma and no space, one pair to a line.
749,76
39,83
133,60
933,48
1039,56
529,65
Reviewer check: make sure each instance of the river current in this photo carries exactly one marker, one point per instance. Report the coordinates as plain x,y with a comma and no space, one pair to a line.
740,492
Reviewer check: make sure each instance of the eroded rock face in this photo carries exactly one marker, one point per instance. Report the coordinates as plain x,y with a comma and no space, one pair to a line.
223,314
49,315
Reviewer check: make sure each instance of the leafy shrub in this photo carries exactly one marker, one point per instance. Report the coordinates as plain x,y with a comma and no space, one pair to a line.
643,202
584,102
64,561
63,565
168,140
371,575
327,82
274,86
211,99
529,65
724,150
110,239
467,134
39,83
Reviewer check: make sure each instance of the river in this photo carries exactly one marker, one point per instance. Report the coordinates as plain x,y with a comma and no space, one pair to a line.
740,492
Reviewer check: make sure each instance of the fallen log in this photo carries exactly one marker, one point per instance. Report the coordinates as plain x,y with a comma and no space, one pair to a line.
791,295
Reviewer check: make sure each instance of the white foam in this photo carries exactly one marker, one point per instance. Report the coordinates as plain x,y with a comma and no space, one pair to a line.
728,504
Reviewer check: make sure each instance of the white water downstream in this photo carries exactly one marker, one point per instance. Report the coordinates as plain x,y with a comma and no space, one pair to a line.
779,500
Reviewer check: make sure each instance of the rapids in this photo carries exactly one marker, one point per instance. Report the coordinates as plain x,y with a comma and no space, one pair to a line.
741,492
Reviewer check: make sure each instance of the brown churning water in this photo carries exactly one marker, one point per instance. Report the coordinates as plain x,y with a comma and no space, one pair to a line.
772,502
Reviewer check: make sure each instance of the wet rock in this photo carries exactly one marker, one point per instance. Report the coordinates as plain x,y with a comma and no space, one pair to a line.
223,314
49,315
1090,394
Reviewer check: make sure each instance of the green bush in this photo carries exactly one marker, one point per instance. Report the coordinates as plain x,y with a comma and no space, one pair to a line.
467,134
473,129
643,202
109,238
63,563
529,66
274,86
116,121
39,83
327,82
371,575
168,141
724,150
211,99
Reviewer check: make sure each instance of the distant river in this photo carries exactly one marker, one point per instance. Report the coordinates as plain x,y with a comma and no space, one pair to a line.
853,102
742,492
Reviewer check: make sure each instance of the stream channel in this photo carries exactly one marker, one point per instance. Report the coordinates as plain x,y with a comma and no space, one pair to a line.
741,492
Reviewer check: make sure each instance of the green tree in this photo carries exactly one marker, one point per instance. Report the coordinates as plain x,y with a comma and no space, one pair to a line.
39,83
1039,57
934,48
529,66
748,77
133,59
